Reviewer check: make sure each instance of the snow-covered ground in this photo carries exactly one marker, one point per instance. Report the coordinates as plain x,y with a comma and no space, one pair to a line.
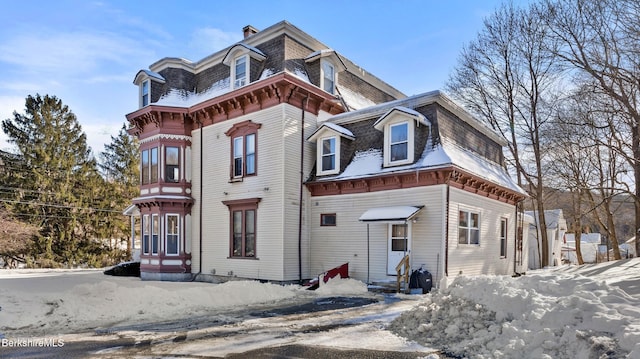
591,311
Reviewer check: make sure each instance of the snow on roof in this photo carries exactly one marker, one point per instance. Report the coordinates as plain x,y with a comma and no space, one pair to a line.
154,74
337,128
551,217
301,74
182,98
319,52
392,213
369,163
354,100
584,238
417,116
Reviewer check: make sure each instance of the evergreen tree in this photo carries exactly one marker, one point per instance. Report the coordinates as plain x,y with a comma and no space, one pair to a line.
57,164
120,167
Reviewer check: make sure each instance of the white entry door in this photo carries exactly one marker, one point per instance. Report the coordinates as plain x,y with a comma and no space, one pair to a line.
399,245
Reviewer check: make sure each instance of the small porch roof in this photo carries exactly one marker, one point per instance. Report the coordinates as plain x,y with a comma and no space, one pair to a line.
391,213
132,210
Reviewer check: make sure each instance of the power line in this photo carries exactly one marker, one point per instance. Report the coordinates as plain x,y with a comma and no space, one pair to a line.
60,206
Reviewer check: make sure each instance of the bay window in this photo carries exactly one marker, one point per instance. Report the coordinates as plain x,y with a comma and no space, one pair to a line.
172,246
172,164
146,231
149,164
155,232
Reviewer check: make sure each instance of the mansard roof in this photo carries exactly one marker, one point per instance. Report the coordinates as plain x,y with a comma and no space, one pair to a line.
439,155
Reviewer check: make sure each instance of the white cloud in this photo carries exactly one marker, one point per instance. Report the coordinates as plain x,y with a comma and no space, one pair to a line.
206,41
9,104
67,52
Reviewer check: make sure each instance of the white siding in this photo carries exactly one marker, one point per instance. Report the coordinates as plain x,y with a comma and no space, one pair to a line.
347,241
276,183
469,259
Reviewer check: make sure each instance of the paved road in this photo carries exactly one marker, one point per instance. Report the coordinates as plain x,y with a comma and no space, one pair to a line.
264,332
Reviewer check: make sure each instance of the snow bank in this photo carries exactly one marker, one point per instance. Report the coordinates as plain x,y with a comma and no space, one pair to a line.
341,287
546,315
85,301
106,303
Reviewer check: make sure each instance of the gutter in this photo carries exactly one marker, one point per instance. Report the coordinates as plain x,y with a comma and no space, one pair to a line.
200,204
300,194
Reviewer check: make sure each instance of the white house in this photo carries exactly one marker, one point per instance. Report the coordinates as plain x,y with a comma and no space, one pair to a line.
277,159
589,243
556,229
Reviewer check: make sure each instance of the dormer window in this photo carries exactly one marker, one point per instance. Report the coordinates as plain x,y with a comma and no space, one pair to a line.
328,154
328,77
144,93
328,138
239,59
328,64
399,142
240,72
399,126
144,80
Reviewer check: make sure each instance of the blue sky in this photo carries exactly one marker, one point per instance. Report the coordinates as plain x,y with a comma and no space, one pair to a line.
87,52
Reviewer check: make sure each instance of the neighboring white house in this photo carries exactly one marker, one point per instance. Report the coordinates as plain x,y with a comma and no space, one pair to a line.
589,245
556,228
628,248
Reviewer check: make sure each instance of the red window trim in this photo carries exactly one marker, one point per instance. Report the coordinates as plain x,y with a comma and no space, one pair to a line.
243,205
242,129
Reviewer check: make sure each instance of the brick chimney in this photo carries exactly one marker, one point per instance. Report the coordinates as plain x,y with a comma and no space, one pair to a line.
249,30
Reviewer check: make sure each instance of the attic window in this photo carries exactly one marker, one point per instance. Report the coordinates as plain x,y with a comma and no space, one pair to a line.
144,93
240,71
238,58
328,77
328,138
399,142
399,126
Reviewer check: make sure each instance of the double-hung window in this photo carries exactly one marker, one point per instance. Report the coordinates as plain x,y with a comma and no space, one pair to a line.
155,233
468,227
244,142
172,164
328,77
172,245
146,232
399,142
144,93
243,227
328,154
503,237
238,156
244,155
149,165
240,71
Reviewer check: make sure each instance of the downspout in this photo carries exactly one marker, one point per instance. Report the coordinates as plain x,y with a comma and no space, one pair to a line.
200,200
302,107
515,241
446,233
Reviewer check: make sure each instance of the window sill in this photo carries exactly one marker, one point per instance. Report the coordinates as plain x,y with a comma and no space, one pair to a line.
245,258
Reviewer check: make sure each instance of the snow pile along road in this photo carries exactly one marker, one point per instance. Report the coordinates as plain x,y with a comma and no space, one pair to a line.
544,315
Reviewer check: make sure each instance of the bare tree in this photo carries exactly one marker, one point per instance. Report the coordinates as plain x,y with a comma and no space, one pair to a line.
15,239
600,40
508,77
